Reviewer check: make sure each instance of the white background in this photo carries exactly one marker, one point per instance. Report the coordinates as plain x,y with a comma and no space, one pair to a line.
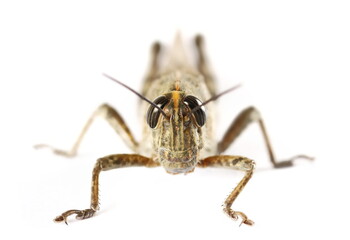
292,58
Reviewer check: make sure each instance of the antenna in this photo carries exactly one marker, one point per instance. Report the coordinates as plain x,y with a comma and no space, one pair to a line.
215,97
135,92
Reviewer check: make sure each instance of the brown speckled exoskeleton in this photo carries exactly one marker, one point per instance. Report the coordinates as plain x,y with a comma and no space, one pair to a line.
178,133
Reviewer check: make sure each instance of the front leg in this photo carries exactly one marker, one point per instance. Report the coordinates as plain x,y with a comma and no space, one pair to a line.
246,117
104,164
238,163
113,118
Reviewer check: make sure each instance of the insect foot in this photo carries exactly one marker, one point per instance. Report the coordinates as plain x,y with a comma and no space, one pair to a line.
234,215
80,215
56,151
290,162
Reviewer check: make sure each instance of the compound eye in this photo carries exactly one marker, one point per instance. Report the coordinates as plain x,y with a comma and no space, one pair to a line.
153,113
199,115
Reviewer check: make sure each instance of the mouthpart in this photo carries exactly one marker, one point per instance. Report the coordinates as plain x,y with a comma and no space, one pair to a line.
176,162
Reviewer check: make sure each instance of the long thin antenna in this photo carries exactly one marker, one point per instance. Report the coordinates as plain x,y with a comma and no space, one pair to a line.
138,94
215,97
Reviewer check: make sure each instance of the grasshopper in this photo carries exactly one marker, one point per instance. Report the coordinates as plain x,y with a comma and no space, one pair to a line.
178,131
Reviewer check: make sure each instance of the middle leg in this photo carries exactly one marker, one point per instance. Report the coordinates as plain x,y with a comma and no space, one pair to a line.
113,118
246,117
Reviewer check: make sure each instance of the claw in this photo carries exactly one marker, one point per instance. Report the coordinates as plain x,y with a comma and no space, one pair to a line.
245,219
60,219
81,214
247,222
235,215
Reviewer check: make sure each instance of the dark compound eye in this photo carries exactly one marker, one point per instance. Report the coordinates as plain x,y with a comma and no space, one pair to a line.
193,102
153,113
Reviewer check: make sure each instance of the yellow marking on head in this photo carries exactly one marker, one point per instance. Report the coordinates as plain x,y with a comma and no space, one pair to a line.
175,96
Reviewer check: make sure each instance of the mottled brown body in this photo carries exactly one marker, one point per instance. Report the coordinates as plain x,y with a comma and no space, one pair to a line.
178,133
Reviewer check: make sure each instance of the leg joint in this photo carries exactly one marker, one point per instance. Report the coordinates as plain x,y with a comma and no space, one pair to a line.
253,113
243,163
104,110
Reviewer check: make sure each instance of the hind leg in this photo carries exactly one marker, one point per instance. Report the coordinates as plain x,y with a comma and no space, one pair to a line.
153,68
203,66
